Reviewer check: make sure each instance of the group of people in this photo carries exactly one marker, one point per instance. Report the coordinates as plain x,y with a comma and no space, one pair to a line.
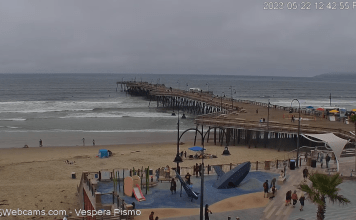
262,120
321,159
266,188
183,153
293,196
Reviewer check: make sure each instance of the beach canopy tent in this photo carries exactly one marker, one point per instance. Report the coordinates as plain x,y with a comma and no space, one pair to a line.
320,109
103,153
309,107
334,111
197,148
331,141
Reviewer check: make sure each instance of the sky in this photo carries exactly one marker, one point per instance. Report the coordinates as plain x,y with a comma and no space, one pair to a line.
220,37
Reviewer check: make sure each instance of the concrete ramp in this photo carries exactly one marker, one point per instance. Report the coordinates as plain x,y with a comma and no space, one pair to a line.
234,177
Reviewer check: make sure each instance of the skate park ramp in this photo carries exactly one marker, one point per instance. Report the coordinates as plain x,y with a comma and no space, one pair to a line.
234,177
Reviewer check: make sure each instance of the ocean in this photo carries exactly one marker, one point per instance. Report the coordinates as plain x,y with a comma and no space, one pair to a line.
62,109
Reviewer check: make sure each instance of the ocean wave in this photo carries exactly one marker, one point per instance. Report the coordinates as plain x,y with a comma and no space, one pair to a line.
12,119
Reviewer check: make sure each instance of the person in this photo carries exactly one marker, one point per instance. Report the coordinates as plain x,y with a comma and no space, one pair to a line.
292,120
256,111
181,154
187,178
288,197
261,120
273,183
295,198
265,188
173,186
305,174
196,170
185,154
167,171
93,142
156,218
157,173
83,141
207,211
151,216
321,157
40,142
301,200
274,189
264,120
199,169
327,159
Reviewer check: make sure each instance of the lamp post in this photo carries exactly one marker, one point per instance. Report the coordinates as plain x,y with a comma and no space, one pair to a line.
187,86
221,101
178,158
268,116
298,131
208,86
232,100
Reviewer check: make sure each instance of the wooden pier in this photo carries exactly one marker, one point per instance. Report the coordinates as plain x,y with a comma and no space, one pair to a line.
238,121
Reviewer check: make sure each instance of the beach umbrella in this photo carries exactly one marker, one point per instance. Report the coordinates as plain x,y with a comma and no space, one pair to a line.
310,107
196,148
320,109
334,111
354,110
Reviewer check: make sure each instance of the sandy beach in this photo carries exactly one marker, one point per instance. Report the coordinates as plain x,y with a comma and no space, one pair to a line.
39,178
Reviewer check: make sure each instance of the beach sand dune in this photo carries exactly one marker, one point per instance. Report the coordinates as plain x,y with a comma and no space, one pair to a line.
39,178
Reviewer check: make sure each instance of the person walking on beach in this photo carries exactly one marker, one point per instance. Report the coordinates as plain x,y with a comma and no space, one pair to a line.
321,159
173,186
305,174
185,154
93,142
265,188
327,159
83,141
295,198
301,200
256,111
207,211
187,178
40,142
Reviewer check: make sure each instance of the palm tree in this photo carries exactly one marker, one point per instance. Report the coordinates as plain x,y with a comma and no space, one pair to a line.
323,186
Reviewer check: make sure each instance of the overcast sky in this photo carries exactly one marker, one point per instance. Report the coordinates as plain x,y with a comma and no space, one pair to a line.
175,36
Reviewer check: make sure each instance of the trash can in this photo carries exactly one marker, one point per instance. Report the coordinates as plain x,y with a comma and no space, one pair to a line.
313,163
292,164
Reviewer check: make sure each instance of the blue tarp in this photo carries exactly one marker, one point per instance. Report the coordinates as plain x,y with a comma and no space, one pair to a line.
196,148
103,153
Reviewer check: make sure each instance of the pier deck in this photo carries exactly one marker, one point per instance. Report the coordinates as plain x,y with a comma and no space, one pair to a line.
227,113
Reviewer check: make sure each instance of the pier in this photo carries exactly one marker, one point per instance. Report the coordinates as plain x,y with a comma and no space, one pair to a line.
240,121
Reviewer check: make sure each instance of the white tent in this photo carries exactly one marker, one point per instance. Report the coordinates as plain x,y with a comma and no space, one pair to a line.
331,141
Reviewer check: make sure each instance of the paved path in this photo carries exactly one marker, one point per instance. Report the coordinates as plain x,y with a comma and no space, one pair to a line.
276,209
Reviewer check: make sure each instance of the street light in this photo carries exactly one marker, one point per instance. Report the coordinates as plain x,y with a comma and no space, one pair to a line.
221,101
208,86
187,87
232,100
298,130
178,158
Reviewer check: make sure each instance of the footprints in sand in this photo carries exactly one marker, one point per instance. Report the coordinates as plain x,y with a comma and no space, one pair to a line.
4,202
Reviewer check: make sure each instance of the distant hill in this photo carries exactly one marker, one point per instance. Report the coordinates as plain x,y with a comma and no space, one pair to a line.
329,75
